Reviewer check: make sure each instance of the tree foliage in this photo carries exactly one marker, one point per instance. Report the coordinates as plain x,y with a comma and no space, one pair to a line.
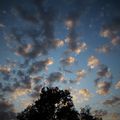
54,104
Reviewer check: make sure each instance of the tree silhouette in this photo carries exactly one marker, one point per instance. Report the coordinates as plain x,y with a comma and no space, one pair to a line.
85,114
53,104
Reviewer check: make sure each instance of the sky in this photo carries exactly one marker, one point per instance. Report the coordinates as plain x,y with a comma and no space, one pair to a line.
72,44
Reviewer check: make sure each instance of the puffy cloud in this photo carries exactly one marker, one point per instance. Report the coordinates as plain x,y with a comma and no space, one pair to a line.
5,69
80,47
69,23
111,31
72,41
115,40
40,65
105,32
80,74
58,43
68,61
80,96
56,76
103,87
104,71
85,93
117,85
41,35
76,46
113,101
24,50
93,62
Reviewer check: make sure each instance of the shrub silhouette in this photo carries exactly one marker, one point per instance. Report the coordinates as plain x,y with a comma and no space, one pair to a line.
54,104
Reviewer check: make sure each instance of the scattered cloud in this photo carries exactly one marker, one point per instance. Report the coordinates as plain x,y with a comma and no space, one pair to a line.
40,65
20,92
68,61
5,69
116,40
103,87
80,74
93,62
104,49
56,76
104,71
58,43
117,85
100,112
85,93
80,96
113,101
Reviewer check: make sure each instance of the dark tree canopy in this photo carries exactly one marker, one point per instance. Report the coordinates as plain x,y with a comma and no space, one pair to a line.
54,104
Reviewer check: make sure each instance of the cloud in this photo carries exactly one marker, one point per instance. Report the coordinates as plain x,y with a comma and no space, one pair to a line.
69,24
116,40
113,101
93,62
76,46
111,30
104,49
5,69
40,34
58,43
100,112
55,76
104,71
2,25
20,92
68,61
40,65
80,74
85,93
117,85
24,50
6,110
80,96
103,87
37,79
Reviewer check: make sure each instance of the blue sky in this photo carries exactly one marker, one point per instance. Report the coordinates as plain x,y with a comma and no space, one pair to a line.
72,44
